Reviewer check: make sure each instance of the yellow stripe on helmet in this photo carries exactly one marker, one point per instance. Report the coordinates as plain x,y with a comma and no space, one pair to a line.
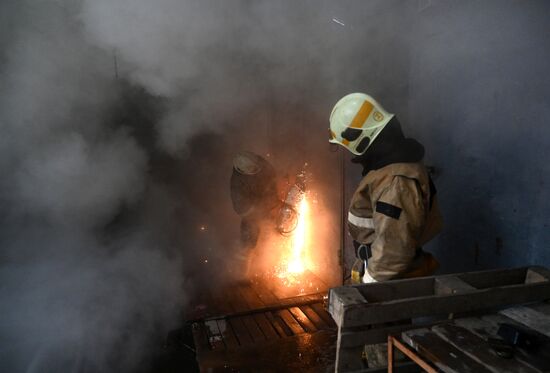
362,115
360,118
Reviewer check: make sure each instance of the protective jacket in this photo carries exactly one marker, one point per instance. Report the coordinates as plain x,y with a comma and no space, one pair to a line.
254,195
394,210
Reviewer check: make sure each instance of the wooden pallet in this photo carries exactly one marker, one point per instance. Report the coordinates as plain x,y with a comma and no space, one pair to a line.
467,344
252,327
367,314
287,337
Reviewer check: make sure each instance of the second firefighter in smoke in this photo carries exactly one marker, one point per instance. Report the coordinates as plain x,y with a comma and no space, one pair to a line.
255,189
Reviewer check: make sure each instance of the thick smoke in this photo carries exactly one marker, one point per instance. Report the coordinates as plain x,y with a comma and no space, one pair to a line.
119,118
86,282
118,121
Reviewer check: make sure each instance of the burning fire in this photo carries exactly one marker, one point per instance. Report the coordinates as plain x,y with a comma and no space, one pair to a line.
294,260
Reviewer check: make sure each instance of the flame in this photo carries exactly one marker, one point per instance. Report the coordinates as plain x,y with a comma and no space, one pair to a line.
296,260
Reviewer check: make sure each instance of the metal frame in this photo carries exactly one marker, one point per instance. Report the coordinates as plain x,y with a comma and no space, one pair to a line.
394,342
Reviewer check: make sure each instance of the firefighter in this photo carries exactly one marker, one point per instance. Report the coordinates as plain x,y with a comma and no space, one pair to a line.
254,196
394,210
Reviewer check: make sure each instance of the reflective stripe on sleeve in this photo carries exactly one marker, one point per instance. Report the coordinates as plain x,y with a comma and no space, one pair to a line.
360,222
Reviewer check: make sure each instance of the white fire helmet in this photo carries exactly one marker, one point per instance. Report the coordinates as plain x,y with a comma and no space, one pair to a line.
247,163
355,122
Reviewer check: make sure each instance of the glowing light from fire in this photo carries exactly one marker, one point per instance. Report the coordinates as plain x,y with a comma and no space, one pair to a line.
295,258
296,261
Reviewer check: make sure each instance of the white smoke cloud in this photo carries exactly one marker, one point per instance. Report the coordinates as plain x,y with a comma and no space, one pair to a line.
75,182
74,289
215,60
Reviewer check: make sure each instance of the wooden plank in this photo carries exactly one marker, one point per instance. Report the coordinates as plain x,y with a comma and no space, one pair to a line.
229,337
266,327
479,349
253,329
241,331
314,317
396,289
487,327
265,295
323,314
529,317
495,277
300,353
425,286
443,355
286,316
537,274
214,335
251,298
278,324
354,314
303,319
342,298
237,300
355,337
478,326
219,301
448,285
282,304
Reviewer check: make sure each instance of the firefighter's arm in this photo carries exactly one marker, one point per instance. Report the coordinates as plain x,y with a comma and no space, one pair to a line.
398,218
360,222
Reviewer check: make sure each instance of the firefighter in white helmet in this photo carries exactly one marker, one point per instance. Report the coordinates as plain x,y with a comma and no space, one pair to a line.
394,210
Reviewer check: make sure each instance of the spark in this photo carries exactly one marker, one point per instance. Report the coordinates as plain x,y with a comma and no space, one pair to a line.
336,20
203,228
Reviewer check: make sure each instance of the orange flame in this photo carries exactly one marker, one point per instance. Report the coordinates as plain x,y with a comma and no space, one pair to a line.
295,257
296,261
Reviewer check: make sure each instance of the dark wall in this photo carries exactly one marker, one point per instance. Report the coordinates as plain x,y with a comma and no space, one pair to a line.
470,81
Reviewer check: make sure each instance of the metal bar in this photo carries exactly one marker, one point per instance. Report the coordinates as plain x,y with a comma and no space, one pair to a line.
410,354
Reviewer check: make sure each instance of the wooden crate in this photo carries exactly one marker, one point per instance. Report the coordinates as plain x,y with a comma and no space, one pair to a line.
472,344
367,314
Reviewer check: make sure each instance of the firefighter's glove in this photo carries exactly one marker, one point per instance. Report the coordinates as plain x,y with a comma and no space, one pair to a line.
357,271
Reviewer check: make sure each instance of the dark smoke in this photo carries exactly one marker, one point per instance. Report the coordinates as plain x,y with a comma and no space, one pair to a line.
119,118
